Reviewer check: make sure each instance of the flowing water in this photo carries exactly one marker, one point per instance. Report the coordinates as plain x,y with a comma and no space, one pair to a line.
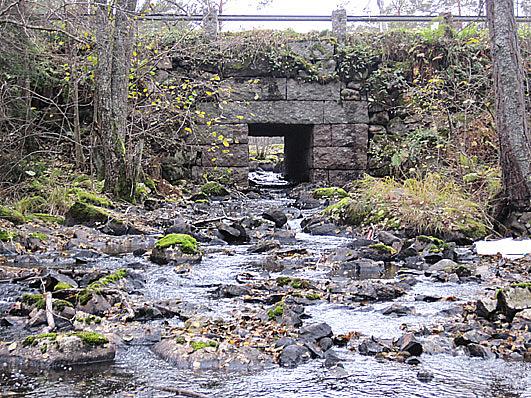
137,372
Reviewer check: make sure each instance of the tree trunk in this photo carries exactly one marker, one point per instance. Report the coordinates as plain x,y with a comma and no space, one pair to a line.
511,119
114,40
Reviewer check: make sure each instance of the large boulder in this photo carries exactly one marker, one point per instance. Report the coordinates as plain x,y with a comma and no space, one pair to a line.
233,233
208,355
175,249
54,350
277,216
514,299
294,355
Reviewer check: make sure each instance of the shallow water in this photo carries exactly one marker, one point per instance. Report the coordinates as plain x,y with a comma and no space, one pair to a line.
137,372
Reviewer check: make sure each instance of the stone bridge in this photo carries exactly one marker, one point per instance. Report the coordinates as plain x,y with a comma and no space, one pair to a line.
325,125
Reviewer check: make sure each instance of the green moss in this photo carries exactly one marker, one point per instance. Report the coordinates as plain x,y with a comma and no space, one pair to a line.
383,248
84,212
39,235
91,198
11,215
278,310
201,201
92,339
180,340
187,243
431,239
295,283
313,296
151,184
35,339
328,193
36,300
47,218
472,228
86,294
62,286
60,305
141,192
6,236
31,204
89,320
522,284
199,345
214,188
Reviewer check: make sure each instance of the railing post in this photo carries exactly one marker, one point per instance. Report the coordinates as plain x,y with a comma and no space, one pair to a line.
211,23
339,24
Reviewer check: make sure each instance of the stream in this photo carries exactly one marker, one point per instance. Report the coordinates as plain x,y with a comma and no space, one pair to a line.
138,372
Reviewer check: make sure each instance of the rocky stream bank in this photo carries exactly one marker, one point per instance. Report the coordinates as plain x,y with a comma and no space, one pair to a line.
254,294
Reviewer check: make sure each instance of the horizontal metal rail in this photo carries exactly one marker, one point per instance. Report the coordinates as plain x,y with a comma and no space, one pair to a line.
319,18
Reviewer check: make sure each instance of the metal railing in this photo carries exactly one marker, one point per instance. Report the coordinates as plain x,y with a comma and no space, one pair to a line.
319,18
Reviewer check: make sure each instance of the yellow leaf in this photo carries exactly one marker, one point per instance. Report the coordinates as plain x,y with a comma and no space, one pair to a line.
225,143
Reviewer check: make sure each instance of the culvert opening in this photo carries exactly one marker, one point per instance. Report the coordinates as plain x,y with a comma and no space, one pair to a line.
296,138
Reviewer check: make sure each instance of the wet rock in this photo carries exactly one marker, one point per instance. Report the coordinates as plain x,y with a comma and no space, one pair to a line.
470,337
277,216
451,267
427,298
37,318
284,342
222,356
315,332
230,291
179,227
375,291
291,316
233,234
294,355
97,305
408,343
513,300
306,201
361,269
326,343
389,239
399,310
173,255
54,350
479,351
331,359
265,246
85,214
425,376
371,347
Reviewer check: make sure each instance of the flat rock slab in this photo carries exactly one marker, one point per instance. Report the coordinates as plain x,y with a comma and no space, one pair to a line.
64,351
224,357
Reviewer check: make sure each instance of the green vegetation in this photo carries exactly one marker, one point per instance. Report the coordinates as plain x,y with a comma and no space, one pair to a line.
62,286
199,345
31,204
11,215
214,188
35,339
187,244
92,339
95,287
39,236
525,285
91,198
47,218
431,205
330,193
89,319
295,283
84,212
36,300
278,310
383,248
313,296
6,236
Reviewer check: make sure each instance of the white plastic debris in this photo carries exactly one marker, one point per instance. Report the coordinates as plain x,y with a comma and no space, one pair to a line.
508,248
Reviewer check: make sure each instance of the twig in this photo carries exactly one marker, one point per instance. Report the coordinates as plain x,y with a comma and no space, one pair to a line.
180,391
49,313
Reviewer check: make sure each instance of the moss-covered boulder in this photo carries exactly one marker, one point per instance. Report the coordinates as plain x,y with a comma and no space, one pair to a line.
12,215
330,193
91,198
81,213
54,350
175,248
46,218
214,188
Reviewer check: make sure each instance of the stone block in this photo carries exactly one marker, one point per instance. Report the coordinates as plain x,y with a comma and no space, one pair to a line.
237,175
280,112
254,89
319,175
312,49
235,155
322,135
346,112
339,158
249,67
299,90
354,135
343,177
207,135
